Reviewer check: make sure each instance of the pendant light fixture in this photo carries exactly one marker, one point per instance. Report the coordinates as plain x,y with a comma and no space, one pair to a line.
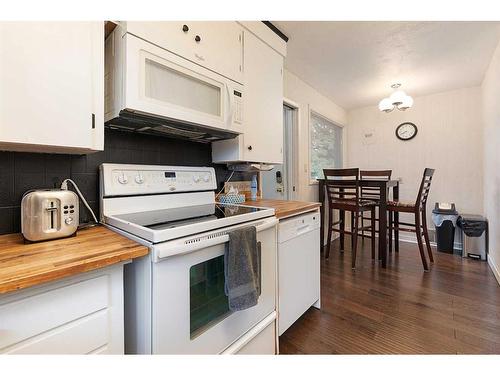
398,99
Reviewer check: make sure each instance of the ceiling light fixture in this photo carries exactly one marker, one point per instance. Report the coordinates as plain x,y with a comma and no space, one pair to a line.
398,99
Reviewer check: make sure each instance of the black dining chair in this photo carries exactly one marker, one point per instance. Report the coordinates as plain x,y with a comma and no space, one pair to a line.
342,190
373,194
418,209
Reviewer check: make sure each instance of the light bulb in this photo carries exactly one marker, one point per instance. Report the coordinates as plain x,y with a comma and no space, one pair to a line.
385,105
397,97
407,103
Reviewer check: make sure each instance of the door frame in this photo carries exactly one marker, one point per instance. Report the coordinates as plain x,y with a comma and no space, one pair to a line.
293,180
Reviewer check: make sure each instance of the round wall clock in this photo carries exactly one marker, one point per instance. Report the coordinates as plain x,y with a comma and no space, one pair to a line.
406,131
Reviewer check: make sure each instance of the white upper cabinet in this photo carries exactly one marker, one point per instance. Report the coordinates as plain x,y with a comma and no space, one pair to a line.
214,45
52,86
262,138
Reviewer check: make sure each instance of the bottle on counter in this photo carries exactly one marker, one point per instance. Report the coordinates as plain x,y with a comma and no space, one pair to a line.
253,188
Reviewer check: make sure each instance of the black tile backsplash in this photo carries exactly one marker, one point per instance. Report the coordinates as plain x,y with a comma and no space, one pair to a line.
22,171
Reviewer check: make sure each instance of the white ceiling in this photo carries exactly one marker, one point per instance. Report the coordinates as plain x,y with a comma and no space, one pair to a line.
354,63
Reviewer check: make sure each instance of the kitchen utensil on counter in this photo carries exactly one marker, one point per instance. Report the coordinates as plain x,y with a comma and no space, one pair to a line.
49,214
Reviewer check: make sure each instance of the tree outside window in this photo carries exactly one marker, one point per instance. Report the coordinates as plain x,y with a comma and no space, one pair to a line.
325,145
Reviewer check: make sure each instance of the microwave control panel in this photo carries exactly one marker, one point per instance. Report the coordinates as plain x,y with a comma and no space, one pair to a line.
238,106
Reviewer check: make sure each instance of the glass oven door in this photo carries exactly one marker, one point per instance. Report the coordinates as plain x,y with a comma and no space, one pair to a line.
190,309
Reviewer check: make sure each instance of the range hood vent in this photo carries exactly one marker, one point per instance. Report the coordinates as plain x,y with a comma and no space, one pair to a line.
147,124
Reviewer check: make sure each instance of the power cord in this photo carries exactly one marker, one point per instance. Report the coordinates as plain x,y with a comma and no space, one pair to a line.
64,186
223,185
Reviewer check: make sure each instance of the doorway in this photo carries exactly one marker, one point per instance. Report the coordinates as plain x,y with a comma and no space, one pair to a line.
280,182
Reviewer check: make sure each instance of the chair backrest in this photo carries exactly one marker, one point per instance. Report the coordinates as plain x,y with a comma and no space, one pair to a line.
423,191
371,192
342,186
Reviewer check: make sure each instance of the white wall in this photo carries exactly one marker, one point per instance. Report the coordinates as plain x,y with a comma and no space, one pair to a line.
307,98
491,119
449,139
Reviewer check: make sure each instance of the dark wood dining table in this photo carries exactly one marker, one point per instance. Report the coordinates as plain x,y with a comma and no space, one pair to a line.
384,186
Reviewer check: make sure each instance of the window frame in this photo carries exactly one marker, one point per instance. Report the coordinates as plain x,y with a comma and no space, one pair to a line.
312,112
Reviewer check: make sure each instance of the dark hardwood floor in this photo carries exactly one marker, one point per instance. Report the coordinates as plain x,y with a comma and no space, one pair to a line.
454,308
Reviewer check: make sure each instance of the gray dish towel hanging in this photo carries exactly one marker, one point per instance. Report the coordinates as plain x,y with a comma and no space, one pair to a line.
242,269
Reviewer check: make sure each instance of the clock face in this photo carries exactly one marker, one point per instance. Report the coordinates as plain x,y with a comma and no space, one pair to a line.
406,131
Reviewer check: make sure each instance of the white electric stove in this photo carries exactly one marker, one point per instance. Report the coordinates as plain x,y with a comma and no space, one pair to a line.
174,298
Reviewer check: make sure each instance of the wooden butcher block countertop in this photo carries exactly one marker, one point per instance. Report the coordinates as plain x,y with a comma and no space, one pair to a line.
24,265
284,209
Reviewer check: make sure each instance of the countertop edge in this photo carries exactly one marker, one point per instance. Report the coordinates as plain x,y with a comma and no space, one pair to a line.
53,272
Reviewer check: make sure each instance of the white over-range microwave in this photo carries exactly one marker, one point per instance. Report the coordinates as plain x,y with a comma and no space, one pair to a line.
152,90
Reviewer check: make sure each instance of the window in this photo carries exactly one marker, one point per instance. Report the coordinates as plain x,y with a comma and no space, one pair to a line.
325,145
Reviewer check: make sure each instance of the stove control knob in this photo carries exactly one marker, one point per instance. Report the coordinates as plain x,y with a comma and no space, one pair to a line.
122,179
196,179
139,179
206,178
68,220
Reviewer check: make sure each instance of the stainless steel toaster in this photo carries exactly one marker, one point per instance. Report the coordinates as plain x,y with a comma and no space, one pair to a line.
49,214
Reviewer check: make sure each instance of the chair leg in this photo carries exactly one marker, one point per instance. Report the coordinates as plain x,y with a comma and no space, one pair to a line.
354,238
395,222
362,226
329,240
389,231
426,236
419,241
373,232
342,229
352,221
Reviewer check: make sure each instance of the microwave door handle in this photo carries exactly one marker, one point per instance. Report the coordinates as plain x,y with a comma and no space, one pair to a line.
167,250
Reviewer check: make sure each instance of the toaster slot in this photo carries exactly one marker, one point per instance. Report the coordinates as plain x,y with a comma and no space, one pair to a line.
52,215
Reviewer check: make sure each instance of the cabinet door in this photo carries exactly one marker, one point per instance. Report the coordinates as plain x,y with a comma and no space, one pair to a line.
76,315
51,96
263,105
216,45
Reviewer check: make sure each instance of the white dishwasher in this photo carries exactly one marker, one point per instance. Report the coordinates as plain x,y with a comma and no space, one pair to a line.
298,267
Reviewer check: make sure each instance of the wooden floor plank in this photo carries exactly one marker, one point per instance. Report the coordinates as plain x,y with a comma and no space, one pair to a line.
453,309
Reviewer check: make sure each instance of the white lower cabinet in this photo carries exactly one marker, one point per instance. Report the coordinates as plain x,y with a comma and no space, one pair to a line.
79,315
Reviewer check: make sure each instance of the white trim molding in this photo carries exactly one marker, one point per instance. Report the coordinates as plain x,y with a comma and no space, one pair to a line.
494,268
410,238
295,178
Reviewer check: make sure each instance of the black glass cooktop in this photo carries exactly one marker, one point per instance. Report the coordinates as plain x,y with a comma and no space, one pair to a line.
176,217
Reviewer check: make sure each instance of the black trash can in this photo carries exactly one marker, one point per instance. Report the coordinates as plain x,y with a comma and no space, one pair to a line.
474,236
445,217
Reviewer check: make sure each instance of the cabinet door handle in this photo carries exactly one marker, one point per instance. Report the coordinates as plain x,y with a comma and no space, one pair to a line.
249,148
93,120
185,28
197,38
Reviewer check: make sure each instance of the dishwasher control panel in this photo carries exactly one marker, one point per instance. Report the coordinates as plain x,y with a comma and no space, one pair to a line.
298,225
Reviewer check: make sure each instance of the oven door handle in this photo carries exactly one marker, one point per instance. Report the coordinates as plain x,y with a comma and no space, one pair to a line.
170,249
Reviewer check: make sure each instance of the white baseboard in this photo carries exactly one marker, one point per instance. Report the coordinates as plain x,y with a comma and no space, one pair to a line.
411,238
494,268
